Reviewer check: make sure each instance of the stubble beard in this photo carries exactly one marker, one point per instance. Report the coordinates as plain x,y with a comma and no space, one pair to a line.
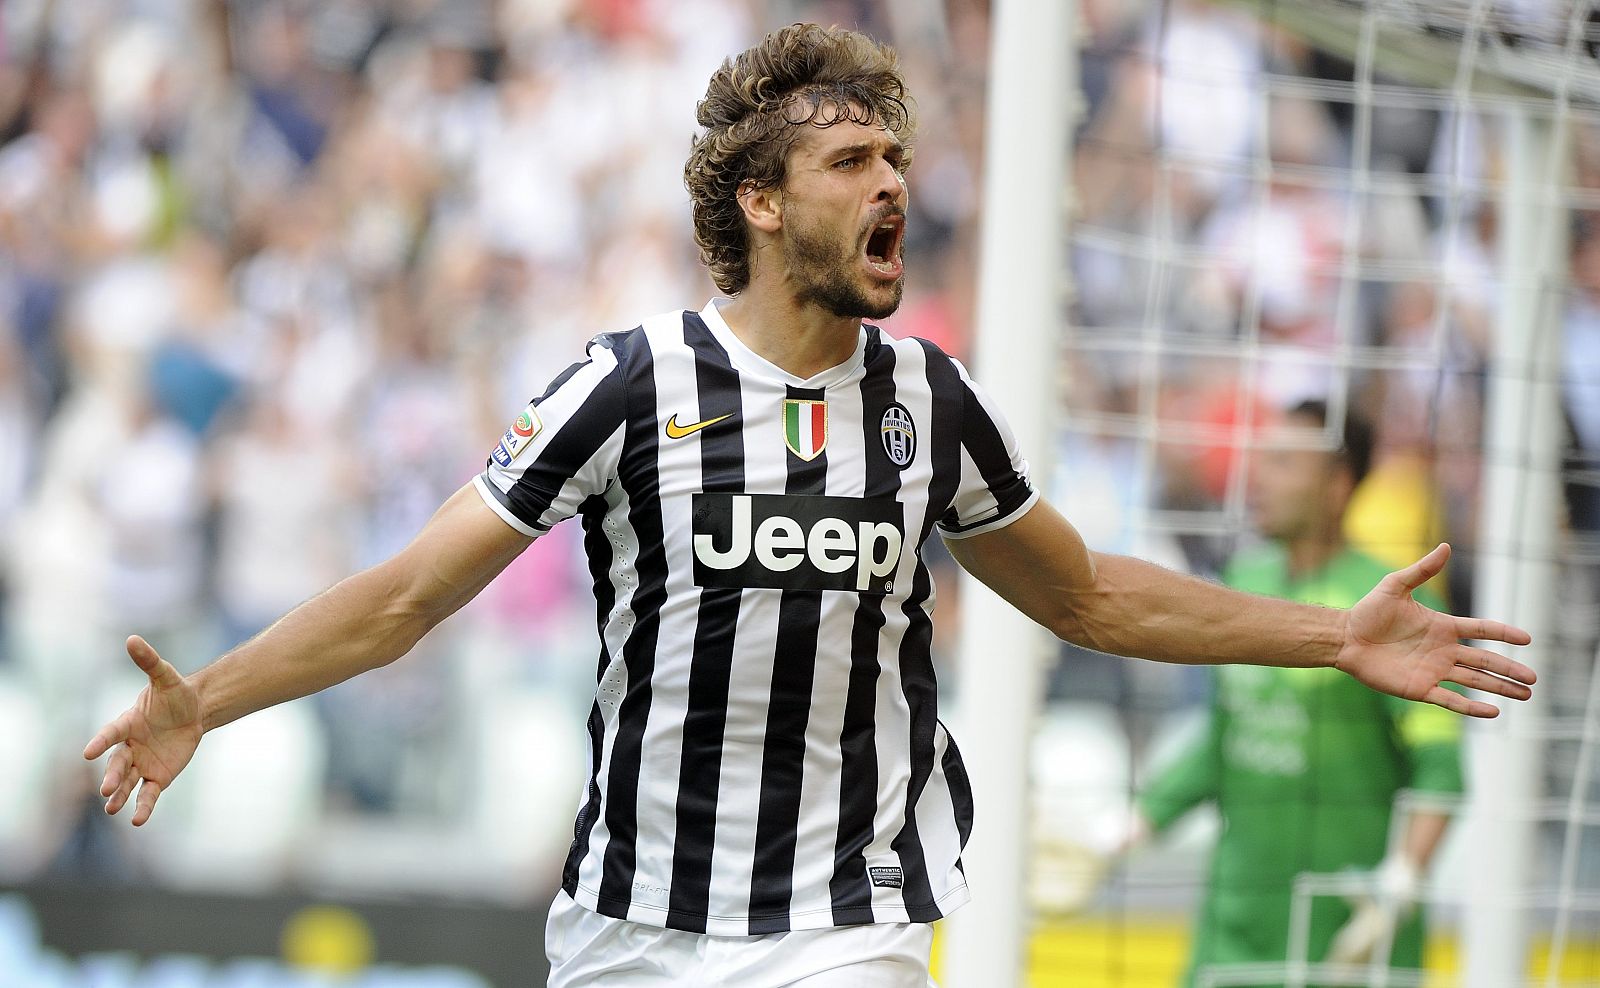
826,270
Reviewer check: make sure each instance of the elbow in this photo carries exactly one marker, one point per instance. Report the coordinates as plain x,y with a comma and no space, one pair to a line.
1065,623
405,625
412,616
1072,603
1085,620
401,618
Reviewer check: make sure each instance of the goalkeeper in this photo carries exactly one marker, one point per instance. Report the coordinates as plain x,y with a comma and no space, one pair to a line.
1303,764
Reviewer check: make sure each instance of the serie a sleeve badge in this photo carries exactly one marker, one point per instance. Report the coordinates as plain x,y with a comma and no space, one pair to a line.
518,437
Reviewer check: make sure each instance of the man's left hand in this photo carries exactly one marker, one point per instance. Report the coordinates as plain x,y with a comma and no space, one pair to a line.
1397,646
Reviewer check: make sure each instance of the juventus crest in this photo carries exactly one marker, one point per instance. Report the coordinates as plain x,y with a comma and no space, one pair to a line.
899,434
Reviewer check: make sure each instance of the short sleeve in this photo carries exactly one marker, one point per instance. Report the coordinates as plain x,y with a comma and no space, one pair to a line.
1431,737
563,448
993,490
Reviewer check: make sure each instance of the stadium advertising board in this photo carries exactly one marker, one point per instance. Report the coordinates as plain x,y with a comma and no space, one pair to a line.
60,936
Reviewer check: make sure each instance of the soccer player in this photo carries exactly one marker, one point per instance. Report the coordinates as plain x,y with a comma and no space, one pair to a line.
1305,764
771,797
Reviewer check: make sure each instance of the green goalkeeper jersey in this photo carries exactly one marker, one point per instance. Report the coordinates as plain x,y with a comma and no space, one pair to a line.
1304,765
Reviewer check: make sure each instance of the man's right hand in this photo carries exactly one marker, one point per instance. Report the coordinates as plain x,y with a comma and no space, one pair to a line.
152,740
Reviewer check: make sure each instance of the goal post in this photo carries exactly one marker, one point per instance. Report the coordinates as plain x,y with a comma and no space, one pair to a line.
1016,355
1517,543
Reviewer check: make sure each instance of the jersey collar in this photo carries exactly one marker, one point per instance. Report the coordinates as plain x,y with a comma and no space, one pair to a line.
750,362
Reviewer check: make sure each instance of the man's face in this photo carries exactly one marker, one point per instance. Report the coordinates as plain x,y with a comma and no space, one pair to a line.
844,206
1297,493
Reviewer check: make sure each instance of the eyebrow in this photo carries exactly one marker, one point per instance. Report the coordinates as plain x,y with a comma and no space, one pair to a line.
863,147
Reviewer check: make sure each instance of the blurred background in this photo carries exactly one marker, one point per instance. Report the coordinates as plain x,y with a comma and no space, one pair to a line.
275,274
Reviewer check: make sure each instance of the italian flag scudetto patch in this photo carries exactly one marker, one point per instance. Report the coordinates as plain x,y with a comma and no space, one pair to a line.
805,427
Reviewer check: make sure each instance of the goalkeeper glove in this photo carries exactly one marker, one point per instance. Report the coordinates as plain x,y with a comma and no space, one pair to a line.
1068,870
1374,918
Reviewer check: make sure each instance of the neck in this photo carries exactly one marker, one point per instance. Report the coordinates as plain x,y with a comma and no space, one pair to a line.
1309,553
800,337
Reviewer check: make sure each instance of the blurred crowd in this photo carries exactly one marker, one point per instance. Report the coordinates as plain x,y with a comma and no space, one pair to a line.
274,274
1240,208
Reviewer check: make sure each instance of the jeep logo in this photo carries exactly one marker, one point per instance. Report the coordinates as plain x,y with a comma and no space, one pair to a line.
796,542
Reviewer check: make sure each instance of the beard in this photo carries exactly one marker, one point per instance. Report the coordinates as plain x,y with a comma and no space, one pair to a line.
828,275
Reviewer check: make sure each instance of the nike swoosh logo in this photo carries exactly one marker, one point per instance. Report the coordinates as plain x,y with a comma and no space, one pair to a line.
676,431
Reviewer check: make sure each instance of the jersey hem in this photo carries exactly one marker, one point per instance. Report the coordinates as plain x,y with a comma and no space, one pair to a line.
993,524
820,918
482,487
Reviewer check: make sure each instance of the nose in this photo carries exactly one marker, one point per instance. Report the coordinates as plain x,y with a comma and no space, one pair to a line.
888,184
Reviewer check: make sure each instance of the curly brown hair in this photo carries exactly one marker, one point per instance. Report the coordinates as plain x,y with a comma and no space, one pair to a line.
754,107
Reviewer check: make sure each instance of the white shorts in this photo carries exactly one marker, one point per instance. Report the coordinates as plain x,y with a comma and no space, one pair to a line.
586,948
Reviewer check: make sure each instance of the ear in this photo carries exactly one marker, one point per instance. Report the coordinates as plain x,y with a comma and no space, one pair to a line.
763,208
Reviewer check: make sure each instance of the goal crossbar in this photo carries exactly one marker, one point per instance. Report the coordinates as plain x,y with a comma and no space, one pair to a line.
1422,40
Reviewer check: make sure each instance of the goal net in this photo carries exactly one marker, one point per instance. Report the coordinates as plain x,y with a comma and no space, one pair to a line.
1391,207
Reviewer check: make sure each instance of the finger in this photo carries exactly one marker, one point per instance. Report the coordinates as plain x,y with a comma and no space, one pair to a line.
1482,629
148,794
117,769
1451,700
119,797
1482,658
109,737
1406,580
161,672
1474,679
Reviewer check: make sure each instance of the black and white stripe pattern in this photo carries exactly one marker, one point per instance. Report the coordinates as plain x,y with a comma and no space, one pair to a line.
765,755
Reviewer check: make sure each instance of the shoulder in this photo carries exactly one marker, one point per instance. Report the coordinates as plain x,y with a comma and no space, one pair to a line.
649,336
878,336
935,354
620,345
917,352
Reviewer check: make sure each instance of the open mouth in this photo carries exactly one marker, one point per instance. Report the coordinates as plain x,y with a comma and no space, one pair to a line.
883,246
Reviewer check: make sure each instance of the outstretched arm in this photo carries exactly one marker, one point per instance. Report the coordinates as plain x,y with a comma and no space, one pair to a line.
361,623
366,620
1130,607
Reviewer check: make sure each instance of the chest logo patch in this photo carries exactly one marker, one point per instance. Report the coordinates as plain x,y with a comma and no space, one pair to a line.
797,542
805,427
899,434
676,431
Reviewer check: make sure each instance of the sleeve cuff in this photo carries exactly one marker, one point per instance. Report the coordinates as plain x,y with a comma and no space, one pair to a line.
1436,768
993,524
492,497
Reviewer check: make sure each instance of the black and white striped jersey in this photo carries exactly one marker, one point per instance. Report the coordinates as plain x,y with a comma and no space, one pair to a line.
765,750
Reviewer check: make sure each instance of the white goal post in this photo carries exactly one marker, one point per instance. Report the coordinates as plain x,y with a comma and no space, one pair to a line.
1032,76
